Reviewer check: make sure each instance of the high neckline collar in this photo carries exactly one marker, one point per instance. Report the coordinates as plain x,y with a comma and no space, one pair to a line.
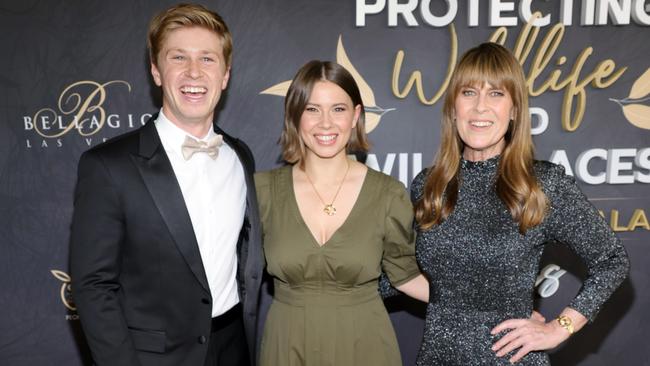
484,165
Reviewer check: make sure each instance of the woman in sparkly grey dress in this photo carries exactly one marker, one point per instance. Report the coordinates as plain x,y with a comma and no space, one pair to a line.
484,212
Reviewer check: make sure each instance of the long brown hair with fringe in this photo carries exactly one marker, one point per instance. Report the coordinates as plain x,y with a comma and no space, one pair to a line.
516,184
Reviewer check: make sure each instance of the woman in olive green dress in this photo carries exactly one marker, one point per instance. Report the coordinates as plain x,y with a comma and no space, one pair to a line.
331,226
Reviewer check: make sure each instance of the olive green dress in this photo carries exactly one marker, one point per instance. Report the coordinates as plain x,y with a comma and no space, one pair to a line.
326,307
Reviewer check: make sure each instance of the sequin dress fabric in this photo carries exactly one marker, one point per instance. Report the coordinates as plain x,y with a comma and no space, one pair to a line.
482,271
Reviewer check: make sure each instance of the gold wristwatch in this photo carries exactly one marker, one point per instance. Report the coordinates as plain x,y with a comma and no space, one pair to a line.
566,323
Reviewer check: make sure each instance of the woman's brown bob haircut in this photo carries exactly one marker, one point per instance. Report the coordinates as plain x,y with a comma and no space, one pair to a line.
293,147
186,15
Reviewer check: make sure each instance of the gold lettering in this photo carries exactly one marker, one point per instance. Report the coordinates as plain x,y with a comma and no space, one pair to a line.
542,58
525,41
499,36
575,89
604,74
574,101
416,76
638,219
613,222
71,103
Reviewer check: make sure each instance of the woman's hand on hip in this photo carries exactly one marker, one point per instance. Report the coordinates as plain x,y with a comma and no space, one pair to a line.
528,335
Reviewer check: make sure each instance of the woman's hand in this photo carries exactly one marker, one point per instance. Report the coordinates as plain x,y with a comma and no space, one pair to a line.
537,316
534,334
528,335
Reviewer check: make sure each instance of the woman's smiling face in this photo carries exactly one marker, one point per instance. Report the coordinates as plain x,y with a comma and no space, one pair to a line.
483,114
328,119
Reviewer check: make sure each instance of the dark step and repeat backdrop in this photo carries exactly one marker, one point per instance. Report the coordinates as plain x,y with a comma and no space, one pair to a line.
75,73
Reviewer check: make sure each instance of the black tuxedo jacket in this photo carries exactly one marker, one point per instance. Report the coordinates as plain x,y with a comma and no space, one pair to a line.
137,276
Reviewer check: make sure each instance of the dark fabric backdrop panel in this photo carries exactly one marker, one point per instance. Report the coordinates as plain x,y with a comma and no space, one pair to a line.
88,59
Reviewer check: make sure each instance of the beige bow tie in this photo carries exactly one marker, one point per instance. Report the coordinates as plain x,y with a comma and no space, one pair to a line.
191,146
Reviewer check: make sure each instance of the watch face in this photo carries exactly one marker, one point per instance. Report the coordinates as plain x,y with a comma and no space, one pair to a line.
566,323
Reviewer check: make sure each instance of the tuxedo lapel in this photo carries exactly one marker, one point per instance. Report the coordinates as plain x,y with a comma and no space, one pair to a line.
246,159
158,176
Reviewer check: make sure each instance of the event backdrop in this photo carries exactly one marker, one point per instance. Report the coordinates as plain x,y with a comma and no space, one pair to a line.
75,73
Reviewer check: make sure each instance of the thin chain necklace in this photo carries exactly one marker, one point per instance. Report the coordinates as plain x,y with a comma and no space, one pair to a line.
329,208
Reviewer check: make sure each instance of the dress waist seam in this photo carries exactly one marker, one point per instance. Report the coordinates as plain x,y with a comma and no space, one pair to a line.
329,297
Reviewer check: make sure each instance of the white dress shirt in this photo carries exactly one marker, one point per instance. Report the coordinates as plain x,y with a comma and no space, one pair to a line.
215,196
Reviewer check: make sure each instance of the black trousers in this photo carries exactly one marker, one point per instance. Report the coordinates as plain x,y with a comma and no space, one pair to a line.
227,345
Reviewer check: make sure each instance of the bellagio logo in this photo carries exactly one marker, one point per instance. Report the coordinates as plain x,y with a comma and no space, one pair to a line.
66,293
80,108
373,111
637,113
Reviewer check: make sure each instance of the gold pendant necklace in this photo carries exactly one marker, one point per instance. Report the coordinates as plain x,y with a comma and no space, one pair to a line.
329,208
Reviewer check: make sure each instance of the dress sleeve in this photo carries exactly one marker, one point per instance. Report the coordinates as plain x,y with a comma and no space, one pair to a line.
398,260
574,221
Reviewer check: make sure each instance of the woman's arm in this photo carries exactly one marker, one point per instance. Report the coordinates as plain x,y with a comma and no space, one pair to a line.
575,222
417,288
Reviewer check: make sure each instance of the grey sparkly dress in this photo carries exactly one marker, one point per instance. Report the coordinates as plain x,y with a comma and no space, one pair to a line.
482,270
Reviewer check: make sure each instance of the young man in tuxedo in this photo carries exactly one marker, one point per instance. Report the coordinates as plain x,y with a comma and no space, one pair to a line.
166,259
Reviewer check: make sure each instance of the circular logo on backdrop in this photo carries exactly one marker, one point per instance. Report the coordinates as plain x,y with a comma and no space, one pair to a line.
66,289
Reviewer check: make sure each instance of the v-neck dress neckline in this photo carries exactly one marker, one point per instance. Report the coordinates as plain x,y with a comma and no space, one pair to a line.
296,210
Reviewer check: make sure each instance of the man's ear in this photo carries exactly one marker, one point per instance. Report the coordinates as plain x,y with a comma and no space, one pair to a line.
156,74
226,77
